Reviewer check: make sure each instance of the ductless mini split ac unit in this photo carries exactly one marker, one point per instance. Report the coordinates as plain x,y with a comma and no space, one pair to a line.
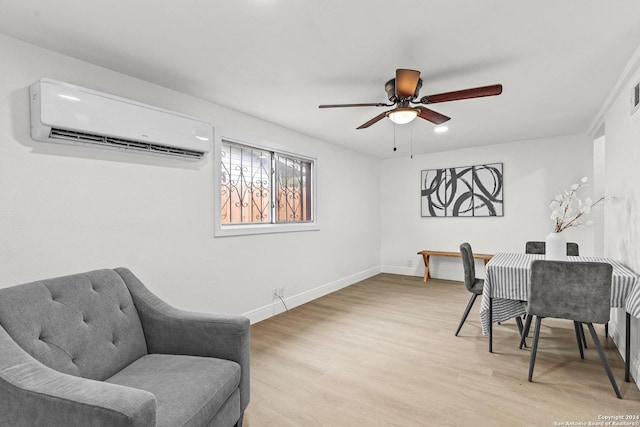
69,114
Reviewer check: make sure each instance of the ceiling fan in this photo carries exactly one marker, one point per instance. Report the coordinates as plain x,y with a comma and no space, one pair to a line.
403,91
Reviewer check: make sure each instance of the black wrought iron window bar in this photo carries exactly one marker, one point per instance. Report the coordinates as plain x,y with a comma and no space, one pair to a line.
261,187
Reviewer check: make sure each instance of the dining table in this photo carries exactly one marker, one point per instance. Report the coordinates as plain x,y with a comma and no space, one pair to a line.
506,286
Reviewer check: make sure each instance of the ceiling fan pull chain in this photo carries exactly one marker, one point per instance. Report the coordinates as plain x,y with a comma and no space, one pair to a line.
394,137
412,142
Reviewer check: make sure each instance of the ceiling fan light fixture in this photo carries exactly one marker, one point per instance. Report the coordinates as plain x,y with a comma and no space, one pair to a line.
404,89
401,116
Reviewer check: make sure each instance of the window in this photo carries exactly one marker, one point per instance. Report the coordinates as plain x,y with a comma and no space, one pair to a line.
263,190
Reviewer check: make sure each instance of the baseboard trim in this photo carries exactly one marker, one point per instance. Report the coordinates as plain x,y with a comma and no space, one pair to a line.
405,271
275,308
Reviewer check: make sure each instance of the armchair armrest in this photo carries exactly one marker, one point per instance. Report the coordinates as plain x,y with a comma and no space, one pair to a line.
173,331
31,394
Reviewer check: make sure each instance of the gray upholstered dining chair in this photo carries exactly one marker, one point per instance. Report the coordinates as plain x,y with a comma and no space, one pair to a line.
534,247
473,284
540,248
577,291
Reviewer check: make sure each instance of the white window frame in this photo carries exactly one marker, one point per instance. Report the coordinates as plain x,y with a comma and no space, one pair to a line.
224,230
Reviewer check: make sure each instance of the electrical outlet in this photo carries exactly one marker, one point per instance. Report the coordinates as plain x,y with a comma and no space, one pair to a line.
278,298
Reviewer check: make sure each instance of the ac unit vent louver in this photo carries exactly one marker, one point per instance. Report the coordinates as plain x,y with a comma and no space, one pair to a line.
106,141
635,98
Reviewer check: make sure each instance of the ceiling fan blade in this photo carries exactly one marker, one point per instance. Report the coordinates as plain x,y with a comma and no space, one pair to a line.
406,82
432,116
373,104
477,92
374,120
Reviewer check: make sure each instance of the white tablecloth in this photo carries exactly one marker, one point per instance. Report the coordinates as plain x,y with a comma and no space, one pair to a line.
633,302
507,282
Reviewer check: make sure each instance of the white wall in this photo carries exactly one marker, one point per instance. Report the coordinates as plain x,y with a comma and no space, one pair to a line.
622,214
534,171
66,209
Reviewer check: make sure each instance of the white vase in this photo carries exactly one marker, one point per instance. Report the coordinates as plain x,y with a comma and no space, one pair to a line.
556,247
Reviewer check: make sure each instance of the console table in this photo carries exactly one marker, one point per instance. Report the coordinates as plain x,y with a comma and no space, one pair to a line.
427,254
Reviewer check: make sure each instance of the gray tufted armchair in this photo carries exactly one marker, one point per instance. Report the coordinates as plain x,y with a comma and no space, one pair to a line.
99,349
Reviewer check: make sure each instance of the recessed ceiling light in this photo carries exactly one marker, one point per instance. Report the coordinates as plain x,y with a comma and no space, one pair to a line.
440,129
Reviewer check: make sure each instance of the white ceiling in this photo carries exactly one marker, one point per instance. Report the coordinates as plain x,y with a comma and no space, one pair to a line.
279,59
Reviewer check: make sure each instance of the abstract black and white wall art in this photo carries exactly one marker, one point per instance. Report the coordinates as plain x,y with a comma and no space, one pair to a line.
462,191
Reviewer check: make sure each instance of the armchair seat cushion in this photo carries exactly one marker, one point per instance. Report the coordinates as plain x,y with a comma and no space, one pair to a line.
189,390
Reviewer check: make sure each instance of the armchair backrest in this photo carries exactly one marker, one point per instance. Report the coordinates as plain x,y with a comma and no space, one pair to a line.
578,291
83,324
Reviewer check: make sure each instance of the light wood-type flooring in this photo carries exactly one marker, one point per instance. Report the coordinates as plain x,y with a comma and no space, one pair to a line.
382,352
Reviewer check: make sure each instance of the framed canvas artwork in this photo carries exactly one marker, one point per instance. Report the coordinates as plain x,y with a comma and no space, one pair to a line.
462,191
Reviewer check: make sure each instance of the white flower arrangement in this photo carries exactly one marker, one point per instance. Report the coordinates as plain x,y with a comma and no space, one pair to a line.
564,211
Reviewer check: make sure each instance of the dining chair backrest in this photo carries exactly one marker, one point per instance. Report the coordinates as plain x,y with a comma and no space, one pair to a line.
572,249
473,285
469,265
579,291
535,248
540,248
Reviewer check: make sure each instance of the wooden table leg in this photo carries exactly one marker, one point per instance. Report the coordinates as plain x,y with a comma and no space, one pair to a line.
427,275
490,325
